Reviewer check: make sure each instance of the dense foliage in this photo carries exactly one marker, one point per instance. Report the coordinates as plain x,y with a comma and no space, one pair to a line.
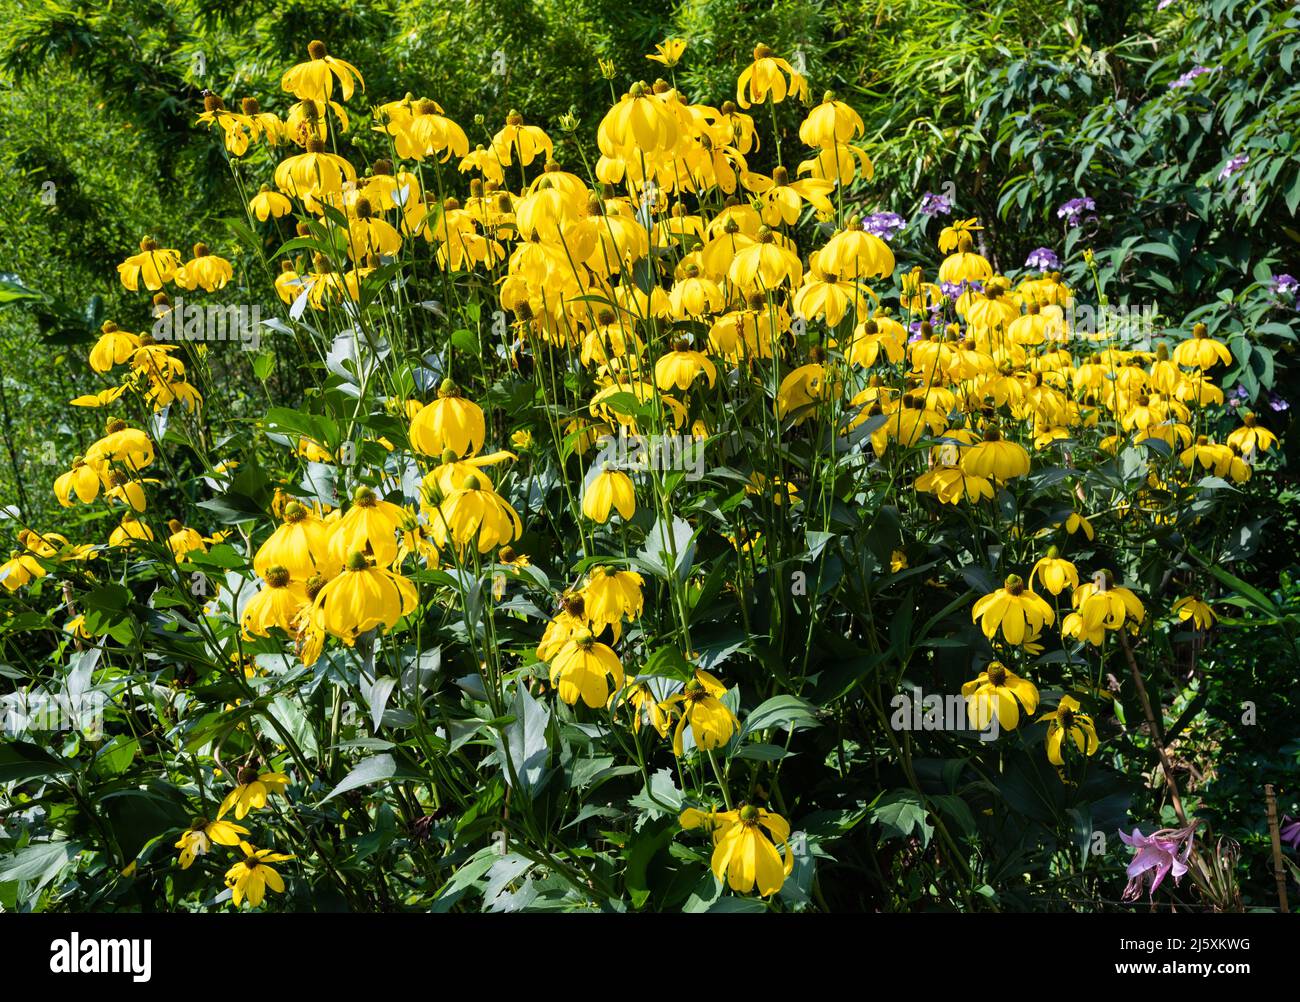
964,337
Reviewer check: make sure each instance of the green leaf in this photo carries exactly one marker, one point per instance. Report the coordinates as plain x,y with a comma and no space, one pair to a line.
108,598
956,809
670,663
117,755
901,813
644,846
660,796
525,741
12,291
376,769
40,861
786,712
1253,594
222,555
763,753
21,761
1162,250
474,869
669,552
263,364
738,906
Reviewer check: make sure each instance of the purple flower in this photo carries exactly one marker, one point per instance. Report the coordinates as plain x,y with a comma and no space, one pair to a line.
1234,165
935,205
935,321
1186,79
954,290
1073,210
1278,404
1290,832
1163,4
884,224
1043,259
1155,856
1285,284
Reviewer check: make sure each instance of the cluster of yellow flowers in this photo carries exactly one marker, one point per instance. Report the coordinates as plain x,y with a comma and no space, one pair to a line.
25,565
152,370
730,296
248,878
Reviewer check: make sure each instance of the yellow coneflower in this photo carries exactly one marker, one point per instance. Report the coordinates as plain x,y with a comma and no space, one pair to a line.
1193,607
251,876
744,857
1066,722
765,78
314,79
700,706
999,691
668,52
580,670
197,840
1013,609
609,489
251,791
